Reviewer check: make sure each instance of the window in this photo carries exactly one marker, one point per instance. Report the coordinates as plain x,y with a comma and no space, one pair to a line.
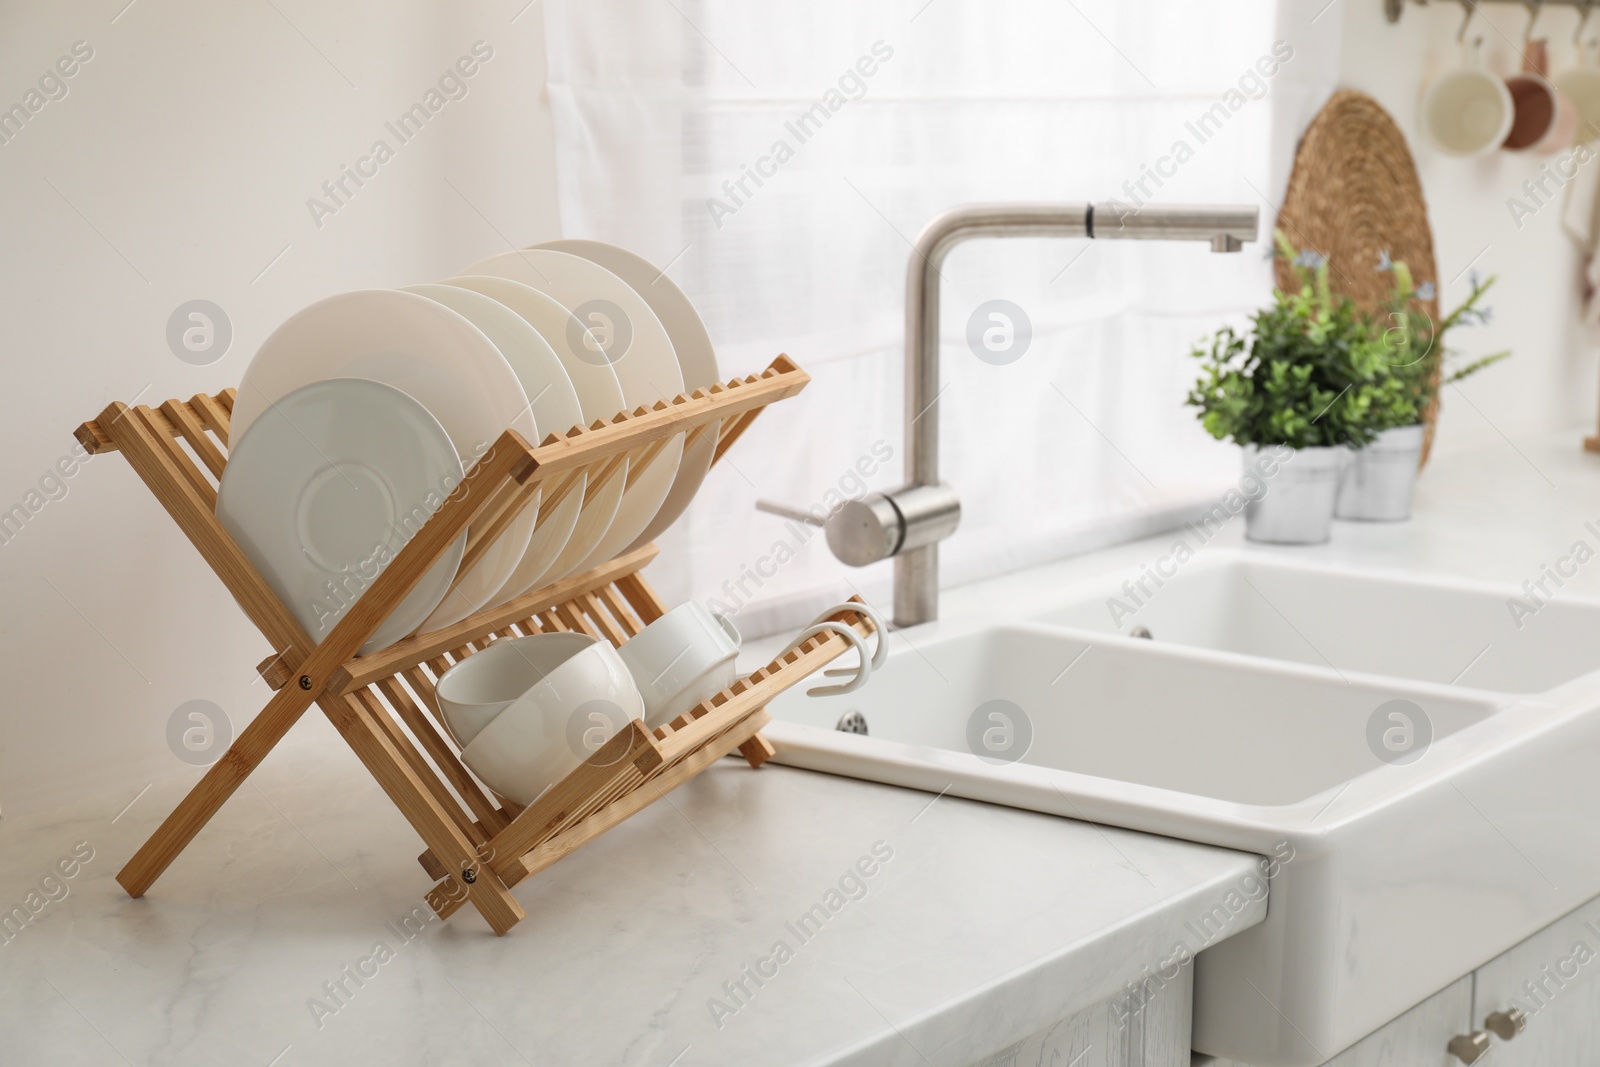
780,159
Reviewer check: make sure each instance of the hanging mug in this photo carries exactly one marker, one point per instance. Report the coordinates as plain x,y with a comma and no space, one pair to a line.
1581,85
1468,111
1544,120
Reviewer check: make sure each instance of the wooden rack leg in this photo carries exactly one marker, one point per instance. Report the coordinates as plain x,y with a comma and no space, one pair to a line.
444,839
757,750
219,783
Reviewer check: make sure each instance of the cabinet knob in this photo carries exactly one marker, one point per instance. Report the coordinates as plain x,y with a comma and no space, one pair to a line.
1507,1024
1469,1048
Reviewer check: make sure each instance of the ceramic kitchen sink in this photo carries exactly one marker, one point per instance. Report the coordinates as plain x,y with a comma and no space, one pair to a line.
1509,641
1268,734
1419,828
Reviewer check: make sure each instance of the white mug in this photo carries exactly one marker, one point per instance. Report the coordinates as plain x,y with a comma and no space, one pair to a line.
682,659
1468,111
862,671
865,665
1581,85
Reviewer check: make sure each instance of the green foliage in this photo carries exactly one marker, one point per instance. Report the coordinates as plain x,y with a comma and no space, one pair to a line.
1414,344
1312,371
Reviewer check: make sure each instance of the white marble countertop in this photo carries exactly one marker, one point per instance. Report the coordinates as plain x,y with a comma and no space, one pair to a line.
1497,513
983,925
978,926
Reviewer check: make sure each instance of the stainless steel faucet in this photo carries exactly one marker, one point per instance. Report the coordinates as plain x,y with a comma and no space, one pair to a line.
909,522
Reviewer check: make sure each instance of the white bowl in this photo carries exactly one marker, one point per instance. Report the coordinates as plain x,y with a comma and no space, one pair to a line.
683,658
546,732
484,684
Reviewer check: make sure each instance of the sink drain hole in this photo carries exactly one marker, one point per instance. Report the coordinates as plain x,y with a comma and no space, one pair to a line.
852,722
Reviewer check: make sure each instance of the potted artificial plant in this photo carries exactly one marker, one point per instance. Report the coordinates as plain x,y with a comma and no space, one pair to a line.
1296,392
1382,476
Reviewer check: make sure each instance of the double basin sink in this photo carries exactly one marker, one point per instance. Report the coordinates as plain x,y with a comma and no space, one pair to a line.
1415,758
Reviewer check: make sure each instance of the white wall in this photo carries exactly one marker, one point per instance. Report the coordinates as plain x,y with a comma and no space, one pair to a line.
1551,379
178,166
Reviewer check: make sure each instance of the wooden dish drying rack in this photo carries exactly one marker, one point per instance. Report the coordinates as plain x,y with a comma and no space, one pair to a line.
383,704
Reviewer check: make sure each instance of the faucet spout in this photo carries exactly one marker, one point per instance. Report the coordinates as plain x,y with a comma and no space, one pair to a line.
916,574
1225,228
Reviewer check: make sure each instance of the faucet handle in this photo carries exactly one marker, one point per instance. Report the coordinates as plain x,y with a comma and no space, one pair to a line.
881,525
859,531
867,530
784,511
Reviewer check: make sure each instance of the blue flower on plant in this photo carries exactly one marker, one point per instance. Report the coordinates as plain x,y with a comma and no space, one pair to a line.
1308,258
1426,291
1473,278
1384,263
1485,314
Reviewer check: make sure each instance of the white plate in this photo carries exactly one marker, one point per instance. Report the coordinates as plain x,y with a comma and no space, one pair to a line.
599,396
555,409
631,339
429,352
696,358
324,489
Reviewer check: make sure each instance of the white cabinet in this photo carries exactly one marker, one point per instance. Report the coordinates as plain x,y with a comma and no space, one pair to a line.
1416,1039
1554,979
1143,1030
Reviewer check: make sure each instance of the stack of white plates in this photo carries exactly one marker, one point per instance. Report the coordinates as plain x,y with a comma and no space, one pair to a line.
360,414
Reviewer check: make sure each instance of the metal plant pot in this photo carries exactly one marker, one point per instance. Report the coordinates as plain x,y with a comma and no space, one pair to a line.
1297,506
1378,484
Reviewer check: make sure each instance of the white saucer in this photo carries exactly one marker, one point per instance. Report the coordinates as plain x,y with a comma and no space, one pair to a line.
429,352
696,358
599,396
322,491
555,409
635,344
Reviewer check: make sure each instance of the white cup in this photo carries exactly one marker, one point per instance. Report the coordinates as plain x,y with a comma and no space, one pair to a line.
545,733
1581,85
1468,111
476,690
682,659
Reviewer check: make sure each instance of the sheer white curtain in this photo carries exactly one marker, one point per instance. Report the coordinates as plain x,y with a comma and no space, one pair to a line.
779,159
